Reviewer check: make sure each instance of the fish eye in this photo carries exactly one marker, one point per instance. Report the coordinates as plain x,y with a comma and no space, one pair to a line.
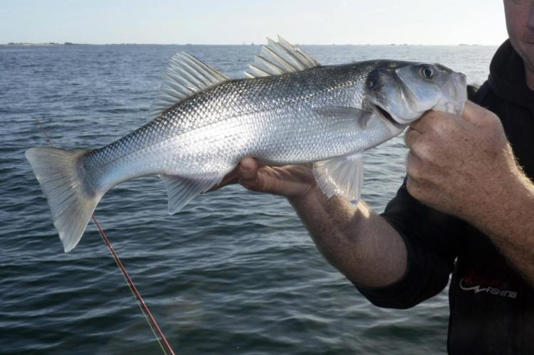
426,72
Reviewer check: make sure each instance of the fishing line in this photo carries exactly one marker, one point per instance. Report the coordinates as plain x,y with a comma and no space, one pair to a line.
149,317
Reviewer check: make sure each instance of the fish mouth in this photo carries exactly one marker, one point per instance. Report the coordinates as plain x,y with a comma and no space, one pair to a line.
386,115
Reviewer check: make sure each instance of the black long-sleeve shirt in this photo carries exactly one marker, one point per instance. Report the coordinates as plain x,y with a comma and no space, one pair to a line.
491,305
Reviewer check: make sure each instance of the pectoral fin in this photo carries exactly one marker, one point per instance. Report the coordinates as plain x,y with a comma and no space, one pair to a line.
340,176
345,113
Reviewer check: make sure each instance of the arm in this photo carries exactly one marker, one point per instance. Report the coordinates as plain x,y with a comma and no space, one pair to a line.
354,239
466,168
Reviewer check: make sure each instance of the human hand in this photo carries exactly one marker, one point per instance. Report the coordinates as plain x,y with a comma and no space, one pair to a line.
460,165
289,180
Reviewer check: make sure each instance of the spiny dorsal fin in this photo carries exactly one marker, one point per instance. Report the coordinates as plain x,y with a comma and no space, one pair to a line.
280,57
185,76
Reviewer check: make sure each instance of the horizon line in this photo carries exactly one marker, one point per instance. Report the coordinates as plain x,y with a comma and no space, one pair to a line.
50,43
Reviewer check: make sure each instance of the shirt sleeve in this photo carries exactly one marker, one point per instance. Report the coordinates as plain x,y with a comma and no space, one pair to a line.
430,238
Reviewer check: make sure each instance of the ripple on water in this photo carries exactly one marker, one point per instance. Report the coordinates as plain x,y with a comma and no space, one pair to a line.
233,273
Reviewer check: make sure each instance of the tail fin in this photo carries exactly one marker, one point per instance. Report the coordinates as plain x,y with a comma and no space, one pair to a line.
71,199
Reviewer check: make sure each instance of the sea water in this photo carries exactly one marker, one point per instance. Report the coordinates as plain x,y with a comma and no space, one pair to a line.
234,273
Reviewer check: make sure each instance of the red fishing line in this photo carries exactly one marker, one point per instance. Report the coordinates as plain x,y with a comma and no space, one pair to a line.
151,320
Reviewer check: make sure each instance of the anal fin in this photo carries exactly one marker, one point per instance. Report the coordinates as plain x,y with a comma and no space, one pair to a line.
341,176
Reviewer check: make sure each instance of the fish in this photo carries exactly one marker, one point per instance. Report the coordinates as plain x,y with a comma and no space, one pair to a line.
289,109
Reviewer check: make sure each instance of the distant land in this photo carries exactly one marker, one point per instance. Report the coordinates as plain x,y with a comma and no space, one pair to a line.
40,44
251,44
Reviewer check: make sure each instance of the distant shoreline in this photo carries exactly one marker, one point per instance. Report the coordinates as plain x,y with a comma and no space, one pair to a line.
38,44
29,44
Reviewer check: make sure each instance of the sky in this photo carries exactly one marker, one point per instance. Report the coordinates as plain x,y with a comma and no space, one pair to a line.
250,21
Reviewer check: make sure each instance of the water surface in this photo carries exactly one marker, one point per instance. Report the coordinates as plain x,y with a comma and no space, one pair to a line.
234,273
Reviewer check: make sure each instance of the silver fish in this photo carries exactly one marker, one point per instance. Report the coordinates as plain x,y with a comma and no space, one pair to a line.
290,111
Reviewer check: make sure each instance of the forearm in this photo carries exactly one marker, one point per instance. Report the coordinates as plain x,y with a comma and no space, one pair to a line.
358,242
354,239
509,222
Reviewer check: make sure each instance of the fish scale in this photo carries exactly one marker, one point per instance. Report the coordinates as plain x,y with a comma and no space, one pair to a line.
228,102
205,123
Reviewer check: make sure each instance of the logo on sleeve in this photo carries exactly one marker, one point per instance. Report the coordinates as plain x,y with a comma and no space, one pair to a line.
478,284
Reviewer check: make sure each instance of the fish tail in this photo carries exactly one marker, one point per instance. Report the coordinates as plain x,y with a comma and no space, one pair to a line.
70,195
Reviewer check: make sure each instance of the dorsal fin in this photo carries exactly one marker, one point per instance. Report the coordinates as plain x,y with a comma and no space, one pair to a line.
185,76
280,57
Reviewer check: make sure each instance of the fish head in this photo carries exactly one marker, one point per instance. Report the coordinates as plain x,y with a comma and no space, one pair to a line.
403,91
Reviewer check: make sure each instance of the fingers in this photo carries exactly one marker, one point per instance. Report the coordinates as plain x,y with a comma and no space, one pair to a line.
420,181
414,166
279,180
247,173
410,137
436,121
472,111
478,115
230,178
424,123
255,177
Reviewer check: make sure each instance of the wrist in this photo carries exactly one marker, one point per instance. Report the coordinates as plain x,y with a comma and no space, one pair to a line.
512,202
307,197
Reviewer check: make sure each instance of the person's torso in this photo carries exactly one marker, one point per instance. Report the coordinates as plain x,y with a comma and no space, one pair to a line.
492,306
